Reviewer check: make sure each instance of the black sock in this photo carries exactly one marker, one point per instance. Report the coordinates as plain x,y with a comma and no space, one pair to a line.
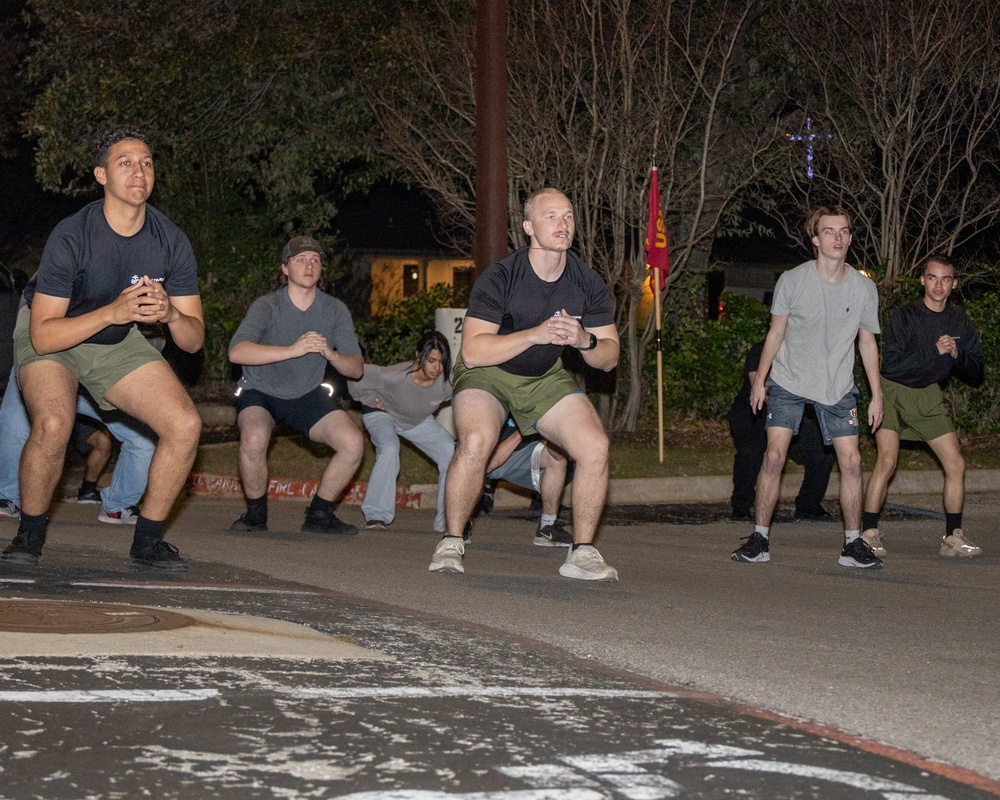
320,505
869,520
33,525
257,508
147,531
88,486
581,544
952,522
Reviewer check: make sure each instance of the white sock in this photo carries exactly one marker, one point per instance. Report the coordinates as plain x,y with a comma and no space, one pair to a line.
547,519
762,530
850,536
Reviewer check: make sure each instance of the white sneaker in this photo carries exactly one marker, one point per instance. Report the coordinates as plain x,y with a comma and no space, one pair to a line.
9,509
874,540
958,545
586,564
448,555
127,516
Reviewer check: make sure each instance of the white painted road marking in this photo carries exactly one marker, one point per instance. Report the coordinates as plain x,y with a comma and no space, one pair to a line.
110,696
361,692
191,587
585,776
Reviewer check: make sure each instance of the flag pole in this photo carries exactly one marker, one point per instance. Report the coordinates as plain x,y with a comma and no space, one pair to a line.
658,262
659,358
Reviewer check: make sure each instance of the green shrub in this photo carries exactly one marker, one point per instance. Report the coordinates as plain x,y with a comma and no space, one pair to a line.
702,358
392,337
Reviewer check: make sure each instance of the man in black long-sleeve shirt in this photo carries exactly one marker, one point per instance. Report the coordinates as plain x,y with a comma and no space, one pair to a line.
926,341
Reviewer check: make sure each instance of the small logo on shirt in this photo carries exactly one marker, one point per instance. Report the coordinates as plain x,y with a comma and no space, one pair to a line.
135,279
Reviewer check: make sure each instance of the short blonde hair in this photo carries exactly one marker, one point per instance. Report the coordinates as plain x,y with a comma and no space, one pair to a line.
529,204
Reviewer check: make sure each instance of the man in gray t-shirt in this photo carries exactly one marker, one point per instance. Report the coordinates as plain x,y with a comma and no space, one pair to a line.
285,343
820,308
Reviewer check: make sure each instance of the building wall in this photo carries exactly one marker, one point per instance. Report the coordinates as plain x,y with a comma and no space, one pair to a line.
395,277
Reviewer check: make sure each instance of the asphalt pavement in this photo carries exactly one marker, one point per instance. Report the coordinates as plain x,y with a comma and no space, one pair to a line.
694,676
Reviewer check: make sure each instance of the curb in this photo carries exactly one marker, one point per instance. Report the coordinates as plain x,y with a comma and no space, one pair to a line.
621,491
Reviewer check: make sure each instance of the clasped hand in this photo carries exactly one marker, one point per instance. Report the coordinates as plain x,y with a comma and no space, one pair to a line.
311,342
144,301
563,329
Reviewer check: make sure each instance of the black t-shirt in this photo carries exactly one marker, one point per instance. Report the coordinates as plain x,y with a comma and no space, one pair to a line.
511,295
87,262
909,346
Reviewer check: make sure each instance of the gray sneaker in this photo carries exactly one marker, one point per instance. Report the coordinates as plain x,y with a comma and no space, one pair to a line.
448,555
586,564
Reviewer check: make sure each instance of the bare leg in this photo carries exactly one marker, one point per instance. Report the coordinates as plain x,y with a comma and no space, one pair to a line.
553,465
153,395
849,460
100,453
573,425
478,417
950,455
256,427
885,467
769,477
49,391
337,431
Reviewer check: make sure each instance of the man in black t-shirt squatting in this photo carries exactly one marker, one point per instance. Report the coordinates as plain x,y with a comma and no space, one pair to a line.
926,341
115,263
523,311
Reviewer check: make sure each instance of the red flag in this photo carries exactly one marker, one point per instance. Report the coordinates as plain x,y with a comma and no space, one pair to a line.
657,254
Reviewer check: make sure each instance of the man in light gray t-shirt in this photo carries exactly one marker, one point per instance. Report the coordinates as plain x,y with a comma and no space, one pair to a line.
284,344
820,308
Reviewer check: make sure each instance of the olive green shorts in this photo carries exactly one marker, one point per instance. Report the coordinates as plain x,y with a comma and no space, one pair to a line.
526,399
917,415
97,367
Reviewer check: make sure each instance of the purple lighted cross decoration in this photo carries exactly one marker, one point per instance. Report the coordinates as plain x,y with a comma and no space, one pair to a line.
808,137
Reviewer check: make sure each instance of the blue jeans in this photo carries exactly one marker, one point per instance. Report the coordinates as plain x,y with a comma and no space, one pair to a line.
128,481
428,437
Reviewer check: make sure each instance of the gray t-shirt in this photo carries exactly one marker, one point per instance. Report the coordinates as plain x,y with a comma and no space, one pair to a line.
275,320
407,403
816,358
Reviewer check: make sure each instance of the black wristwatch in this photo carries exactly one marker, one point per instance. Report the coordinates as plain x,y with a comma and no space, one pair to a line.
591,346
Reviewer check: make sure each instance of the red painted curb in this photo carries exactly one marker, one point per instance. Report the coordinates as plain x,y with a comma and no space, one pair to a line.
200,483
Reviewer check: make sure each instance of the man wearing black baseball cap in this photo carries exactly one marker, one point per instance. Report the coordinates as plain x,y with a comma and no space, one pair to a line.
284,344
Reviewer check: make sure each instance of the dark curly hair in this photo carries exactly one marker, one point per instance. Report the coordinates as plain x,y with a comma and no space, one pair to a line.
109,137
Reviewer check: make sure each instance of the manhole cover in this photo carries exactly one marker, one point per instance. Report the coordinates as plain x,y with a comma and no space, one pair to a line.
56,616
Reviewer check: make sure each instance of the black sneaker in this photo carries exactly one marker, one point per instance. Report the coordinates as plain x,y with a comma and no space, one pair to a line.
86,496
484,506
249,523
158,555
753,550
24,549
859,554
554,535
318,522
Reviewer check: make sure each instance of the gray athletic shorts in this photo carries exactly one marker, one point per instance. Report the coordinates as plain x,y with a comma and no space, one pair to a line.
522,468
784,410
